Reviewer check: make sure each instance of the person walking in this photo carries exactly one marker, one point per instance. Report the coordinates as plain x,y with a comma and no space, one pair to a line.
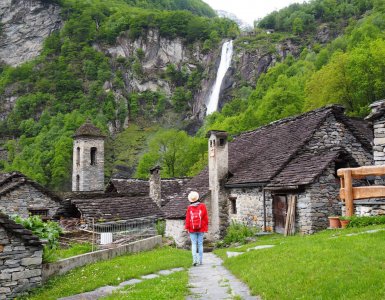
196,224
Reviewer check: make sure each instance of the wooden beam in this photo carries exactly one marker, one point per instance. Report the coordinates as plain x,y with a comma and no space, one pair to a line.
363,171
365,192
348,192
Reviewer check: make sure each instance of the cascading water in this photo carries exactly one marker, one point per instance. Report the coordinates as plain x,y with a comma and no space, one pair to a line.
226,55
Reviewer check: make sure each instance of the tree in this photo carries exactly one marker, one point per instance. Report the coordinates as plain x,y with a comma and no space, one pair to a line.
174,151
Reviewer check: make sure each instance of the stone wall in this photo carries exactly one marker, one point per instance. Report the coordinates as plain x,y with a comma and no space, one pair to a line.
20,265
318,202
379,141
249,207
333,134
26,196
175,230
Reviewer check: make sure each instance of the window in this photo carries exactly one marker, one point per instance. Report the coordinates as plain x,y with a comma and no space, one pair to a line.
221,142
42,212
77,182
93,156
78,156
233,205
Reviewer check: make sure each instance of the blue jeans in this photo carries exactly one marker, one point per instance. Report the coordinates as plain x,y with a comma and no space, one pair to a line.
197,239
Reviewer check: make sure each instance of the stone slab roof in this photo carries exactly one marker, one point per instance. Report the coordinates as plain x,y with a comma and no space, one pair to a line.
176,207
124,186
113,207
11,181
257,156
88,129
170,187
26,235
306,168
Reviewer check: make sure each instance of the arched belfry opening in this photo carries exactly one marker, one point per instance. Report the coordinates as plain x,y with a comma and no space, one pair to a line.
88,159
93,156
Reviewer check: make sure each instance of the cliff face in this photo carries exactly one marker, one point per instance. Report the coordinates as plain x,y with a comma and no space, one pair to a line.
24,24
158,53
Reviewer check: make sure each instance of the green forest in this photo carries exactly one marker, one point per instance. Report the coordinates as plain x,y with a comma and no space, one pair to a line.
63,87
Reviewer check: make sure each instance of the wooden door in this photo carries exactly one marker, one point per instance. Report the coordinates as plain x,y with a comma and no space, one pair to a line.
279,212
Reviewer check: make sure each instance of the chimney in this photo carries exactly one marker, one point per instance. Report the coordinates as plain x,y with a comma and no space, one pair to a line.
218,170
377,116
155,185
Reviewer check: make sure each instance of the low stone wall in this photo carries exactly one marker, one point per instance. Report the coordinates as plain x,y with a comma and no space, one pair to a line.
20,265
64,265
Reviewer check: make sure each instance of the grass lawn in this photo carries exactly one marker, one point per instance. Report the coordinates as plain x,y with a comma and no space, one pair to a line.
111,272
73,250
174,286
327,265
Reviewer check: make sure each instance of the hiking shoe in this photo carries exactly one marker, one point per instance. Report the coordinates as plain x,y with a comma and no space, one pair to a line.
195,264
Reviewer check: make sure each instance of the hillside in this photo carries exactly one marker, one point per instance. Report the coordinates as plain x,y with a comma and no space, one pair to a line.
143,71
331,53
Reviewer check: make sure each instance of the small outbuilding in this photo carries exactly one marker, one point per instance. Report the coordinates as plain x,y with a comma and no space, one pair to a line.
22,196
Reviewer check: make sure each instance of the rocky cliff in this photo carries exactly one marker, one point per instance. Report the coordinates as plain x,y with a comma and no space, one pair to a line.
24,24
158,53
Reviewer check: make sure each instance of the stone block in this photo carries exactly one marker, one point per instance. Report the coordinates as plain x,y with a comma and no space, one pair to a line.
5,276
26,274
11,262
38,253
31,261
8,248
19,248
379,141
4,290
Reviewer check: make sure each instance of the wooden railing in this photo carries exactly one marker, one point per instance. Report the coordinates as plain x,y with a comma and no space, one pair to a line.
348,193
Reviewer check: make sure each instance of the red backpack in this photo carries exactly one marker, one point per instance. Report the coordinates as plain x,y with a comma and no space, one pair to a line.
196,217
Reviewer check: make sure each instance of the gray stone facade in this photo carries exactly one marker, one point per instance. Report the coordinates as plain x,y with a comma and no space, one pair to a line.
20,265
88,164
175,229
379,141
25,198
334,134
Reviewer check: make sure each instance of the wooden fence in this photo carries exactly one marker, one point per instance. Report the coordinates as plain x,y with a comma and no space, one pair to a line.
348,193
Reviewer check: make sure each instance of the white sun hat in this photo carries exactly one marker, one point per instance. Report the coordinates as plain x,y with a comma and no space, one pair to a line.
193,196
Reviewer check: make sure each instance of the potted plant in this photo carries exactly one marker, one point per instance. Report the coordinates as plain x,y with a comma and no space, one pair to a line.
334,222
344,221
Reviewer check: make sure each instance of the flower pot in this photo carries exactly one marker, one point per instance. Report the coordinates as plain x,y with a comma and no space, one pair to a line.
344,223
334,222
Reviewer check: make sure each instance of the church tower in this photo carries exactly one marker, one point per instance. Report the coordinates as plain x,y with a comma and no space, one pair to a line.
88,159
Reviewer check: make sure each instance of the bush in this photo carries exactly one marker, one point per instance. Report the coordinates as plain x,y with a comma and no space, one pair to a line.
161,227
49,231
238,233
366,221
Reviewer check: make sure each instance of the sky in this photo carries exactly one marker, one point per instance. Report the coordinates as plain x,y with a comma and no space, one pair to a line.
250,10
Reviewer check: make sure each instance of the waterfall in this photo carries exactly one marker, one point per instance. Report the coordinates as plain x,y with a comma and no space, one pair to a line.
226,55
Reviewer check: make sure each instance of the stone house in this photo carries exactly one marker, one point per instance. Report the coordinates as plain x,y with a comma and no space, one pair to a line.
23,196
20,258
160,190
251,178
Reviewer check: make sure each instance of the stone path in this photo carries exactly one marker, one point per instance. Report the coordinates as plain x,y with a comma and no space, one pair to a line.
212,281
106,290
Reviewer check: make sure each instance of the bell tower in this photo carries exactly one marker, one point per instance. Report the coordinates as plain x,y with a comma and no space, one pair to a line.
88,159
